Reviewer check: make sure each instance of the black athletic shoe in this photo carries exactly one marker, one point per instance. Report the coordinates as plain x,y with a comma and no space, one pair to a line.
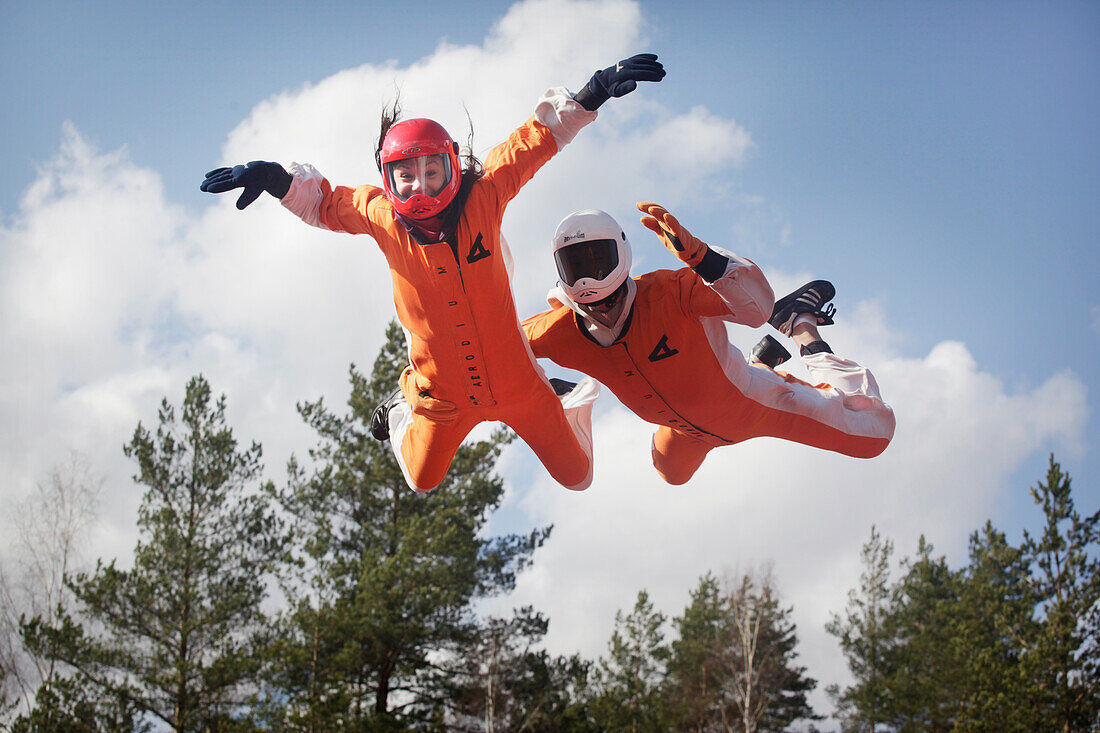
810,298
770,352
561,387
380,420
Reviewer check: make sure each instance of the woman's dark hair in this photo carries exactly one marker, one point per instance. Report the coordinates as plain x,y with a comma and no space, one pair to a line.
390,115
472,170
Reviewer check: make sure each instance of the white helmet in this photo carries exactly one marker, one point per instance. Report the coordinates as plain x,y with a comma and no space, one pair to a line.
592,254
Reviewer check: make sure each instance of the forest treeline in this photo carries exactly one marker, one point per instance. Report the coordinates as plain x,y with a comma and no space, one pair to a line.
343,601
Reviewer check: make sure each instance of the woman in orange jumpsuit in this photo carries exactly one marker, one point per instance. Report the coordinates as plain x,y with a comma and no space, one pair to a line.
659,343
439,229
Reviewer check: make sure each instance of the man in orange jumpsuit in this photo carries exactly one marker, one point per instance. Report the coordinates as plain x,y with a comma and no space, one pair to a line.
439,229
659,343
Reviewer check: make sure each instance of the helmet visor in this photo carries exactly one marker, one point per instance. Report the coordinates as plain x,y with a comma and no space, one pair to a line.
426,175
595,259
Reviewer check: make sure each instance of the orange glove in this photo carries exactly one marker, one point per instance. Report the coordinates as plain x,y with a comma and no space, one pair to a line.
422,403
678,240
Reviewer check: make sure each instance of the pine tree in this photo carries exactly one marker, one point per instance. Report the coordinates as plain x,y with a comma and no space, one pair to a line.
502,682
630,678
955,660
73,705
866,640
177,636
1065,578
1006,643
925,665
734,665
390,577
989,620
698,679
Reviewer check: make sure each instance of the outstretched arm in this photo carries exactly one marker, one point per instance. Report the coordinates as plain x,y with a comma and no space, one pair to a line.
564,114
302,190
736,280
255,178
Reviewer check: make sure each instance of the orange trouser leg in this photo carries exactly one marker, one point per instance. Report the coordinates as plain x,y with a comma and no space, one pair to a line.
677,456
541,423
428,447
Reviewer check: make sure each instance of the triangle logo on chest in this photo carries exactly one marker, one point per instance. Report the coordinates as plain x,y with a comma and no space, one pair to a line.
477,251
662,350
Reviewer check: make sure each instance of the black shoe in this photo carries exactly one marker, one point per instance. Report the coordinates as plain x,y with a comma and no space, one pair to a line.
810,298
562,387
380,420
770,352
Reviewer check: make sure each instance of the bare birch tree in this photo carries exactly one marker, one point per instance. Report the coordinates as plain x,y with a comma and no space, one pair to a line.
767,690
46,534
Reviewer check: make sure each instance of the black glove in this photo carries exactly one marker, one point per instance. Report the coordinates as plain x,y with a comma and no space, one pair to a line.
255,178
620,79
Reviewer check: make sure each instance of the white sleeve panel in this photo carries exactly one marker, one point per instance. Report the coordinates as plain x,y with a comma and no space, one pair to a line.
305,195
509,263
745,290
577,405
562,114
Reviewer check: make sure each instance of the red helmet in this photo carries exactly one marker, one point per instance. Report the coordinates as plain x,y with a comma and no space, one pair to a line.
420,169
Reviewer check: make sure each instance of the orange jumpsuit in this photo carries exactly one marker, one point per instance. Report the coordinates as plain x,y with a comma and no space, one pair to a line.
673,366
456,306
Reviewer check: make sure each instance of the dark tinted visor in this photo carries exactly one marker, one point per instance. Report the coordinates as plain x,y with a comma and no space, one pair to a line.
596,259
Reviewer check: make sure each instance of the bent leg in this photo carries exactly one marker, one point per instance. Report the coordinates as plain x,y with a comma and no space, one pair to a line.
424,448
844,412
677,456
864,407
560,432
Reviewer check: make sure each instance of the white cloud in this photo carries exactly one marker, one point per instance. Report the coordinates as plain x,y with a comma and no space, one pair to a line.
112,297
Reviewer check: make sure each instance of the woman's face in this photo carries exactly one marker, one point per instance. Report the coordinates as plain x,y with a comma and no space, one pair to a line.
425,175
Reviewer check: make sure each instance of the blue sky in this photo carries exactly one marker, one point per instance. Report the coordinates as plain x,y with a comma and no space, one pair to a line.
962,135
938,161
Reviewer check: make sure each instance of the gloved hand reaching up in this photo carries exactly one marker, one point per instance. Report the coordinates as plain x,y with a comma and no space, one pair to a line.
620,79
255,178
677,240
